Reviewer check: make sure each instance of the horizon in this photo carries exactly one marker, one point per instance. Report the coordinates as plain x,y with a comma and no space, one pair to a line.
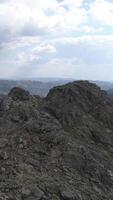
57,38
51,79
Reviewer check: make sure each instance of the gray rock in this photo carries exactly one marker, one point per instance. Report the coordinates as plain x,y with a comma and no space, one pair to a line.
3,142
62,141
32,193
25,192
3,155
19,94
68,194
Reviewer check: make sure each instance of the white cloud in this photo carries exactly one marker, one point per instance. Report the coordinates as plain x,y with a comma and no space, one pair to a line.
95,40
20,17
72,3
102,11
34,54
55,38
21,42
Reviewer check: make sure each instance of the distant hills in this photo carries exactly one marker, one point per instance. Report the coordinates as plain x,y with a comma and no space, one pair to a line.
105,85
41,86
35,87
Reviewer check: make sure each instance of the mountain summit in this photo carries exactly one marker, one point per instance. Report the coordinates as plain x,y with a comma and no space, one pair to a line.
59,147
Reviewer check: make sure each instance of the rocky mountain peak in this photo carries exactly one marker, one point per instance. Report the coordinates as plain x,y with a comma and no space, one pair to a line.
59,147
17,93
78,89
70,102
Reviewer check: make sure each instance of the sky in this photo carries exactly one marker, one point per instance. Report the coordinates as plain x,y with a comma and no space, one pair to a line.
56,38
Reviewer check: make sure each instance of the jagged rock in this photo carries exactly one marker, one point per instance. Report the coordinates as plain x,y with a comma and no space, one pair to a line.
67,194
3,142
56,148
68,103
32,193
26,192
19,94
3,155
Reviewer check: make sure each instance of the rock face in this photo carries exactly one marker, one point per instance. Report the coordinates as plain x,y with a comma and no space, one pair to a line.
57,148
70,102
19,94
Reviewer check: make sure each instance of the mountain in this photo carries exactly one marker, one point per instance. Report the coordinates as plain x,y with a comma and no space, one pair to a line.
36,87
59,147
41,86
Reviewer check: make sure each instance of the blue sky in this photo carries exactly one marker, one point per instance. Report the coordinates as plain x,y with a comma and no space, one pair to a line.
56,38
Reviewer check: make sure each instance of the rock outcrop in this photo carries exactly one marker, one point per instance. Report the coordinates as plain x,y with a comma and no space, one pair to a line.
70,102
19,94
57,148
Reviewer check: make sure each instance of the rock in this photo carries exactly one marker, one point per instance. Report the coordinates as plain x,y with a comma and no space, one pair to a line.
3,142
19,94
25,192
70,102
3,196
32,193
3,155
38,193
68,194
59,147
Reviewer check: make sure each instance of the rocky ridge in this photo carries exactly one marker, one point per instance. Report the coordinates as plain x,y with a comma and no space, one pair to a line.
59,147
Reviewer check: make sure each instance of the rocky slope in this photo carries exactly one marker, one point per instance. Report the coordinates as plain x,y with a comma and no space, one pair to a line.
59,147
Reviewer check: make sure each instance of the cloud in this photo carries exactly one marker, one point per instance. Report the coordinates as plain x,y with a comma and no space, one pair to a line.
92,50
56,38
30,18
81,57
51,17
35,54
4,1
102,11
